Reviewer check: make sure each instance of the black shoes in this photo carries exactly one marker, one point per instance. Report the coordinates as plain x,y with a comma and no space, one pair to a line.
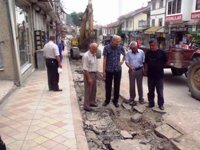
88,109
58,90
105,104
133,103
161,107
150,106
93,105
116,105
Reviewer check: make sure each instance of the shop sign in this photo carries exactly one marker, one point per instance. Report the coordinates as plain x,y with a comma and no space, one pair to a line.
173,18
195,15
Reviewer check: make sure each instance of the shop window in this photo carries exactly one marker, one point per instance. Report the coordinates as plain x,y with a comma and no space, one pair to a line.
153,5
153,23
197,4
174,7
161,3
160,22
22,22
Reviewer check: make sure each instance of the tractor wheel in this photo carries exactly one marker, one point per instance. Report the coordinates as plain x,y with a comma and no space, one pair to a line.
178,72
75,54
98,54
194,78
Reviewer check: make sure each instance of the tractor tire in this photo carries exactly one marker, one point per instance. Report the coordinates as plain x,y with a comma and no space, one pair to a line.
193,78
98,54
178,72
75,54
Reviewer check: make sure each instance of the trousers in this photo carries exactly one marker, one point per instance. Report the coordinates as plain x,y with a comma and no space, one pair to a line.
155,83
109,79
52,74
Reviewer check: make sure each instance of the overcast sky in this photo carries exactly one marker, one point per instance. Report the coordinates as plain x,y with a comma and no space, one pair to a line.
105,11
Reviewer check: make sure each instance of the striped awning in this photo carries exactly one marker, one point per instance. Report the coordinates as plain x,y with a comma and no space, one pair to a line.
153,30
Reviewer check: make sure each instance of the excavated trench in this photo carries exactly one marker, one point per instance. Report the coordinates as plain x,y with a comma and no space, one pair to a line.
123,128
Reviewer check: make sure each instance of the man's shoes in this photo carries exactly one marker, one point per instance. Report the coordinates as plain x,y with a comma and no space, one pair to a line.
133,103
150,106
93,105
161,107
116,105
50,90
88,109
141,102
58,90
105,104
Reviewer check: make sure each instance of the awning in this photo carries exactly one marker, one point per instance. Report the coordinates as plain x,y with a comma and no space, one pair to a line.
153,30
194,32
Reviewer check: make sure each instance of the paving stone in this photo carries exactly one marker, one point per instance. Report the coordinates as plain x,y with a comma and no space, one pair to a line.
126,145
125,134
135,118
167,132
126,106
186,142
140,108
157,109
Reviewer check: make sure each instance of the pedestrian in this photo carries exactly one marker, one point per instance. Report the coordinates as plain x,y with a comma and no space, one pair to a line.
112,68
155,60
139,44
90,68
52,59
2,144
134,61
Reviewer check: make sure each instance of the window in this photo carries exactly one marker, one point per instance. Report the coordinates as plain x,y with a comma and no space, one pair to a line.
142,23
161,3
130,24
153,5
198,5
160,22
122,24
174,7
153,23
126,24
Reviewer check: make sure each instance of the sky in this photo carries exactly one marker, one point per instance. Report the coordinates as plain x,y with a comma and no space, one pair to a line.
105,11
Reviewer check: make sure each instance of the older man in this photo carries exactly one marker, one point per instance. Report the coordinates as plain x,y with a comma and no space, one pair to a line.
90,68
112,68
134,61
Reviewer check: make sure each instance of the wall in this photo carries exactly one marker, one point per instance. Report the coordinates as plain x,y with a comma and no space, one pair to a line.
140,16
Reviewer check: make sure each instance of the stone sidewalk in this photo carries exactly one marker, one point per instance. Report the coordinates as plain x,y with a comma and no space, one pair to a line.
33,118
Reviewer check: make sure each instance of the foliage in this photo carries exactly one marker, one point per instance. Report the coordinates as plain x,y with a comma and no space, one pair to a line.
100,31
76,18
119,29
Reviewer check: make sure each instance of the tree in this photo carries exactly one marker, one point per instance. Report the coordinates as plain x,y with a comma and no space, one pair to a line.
119,29
100,31
76,18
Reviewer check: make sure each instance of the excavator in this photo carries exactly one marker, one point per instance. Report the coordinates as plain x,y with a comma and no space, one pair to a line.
87,35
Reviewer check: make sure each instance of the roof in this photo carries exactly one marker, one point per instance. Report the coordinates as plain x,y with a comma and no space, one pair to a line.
114,24
97,26
134,12
152,30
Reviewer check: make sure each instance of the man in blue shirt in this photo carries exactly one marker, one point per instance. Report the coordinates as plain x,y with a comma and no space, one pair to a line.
112,68
155,60
134,61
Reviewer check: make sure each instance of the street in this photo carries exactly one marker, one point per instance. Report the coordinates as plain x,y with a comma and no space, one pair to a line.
182,110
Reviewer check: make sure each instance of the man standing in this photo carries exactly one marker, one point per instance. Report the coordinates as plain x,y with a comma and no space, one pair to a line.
90,68
112,68
135,61
155,60
52,59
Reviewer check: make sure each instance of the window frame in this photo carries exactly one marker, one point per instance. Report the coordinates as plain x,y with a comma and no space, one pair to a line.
196,5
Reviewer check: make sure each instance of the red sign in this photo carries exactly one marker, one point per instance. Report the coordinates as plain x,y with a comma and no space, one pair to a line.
173,18
195,15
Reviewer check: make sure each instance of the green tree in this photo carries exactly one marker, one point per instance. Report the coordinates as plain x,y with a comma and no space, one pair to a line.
76,18
119,29
100,31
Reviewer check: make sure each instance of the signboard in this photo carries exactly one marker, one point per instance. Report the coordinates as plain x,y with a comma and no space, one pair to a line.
195,15
173,18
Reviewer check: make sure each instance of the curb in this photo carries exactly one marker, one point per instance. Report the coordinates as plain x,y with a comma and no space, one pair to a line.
4,98
77,117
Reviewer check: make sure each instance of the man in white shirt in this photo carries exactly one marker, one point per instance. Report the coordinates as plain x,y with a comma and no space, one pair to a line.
90,68
134,61
52,59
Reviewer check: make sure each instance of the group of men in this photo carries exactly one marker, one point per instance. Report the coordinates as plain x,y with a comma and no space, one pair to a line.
150,64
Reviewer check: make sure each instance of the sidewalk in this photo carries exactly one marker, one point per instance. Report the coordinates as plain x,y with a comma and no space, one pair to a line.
33,118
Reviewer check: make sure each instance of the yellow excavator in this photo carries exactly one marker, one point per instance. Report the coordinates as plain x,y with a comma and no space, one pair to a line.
87,34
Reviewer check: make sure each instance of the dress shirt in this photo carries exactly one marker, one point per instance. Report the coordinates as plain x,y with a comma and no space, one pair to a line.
50,50
135,60
89,61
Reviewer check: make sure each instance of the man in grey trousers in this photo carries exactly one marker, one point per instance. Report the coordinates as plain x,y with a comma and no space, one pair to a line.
134,61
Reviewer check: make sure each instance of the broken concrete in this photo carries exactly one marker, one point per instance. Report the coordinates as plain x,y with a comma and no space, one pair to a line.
167,132
136,118
125,134
157,109
126,145
140,108
126,106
